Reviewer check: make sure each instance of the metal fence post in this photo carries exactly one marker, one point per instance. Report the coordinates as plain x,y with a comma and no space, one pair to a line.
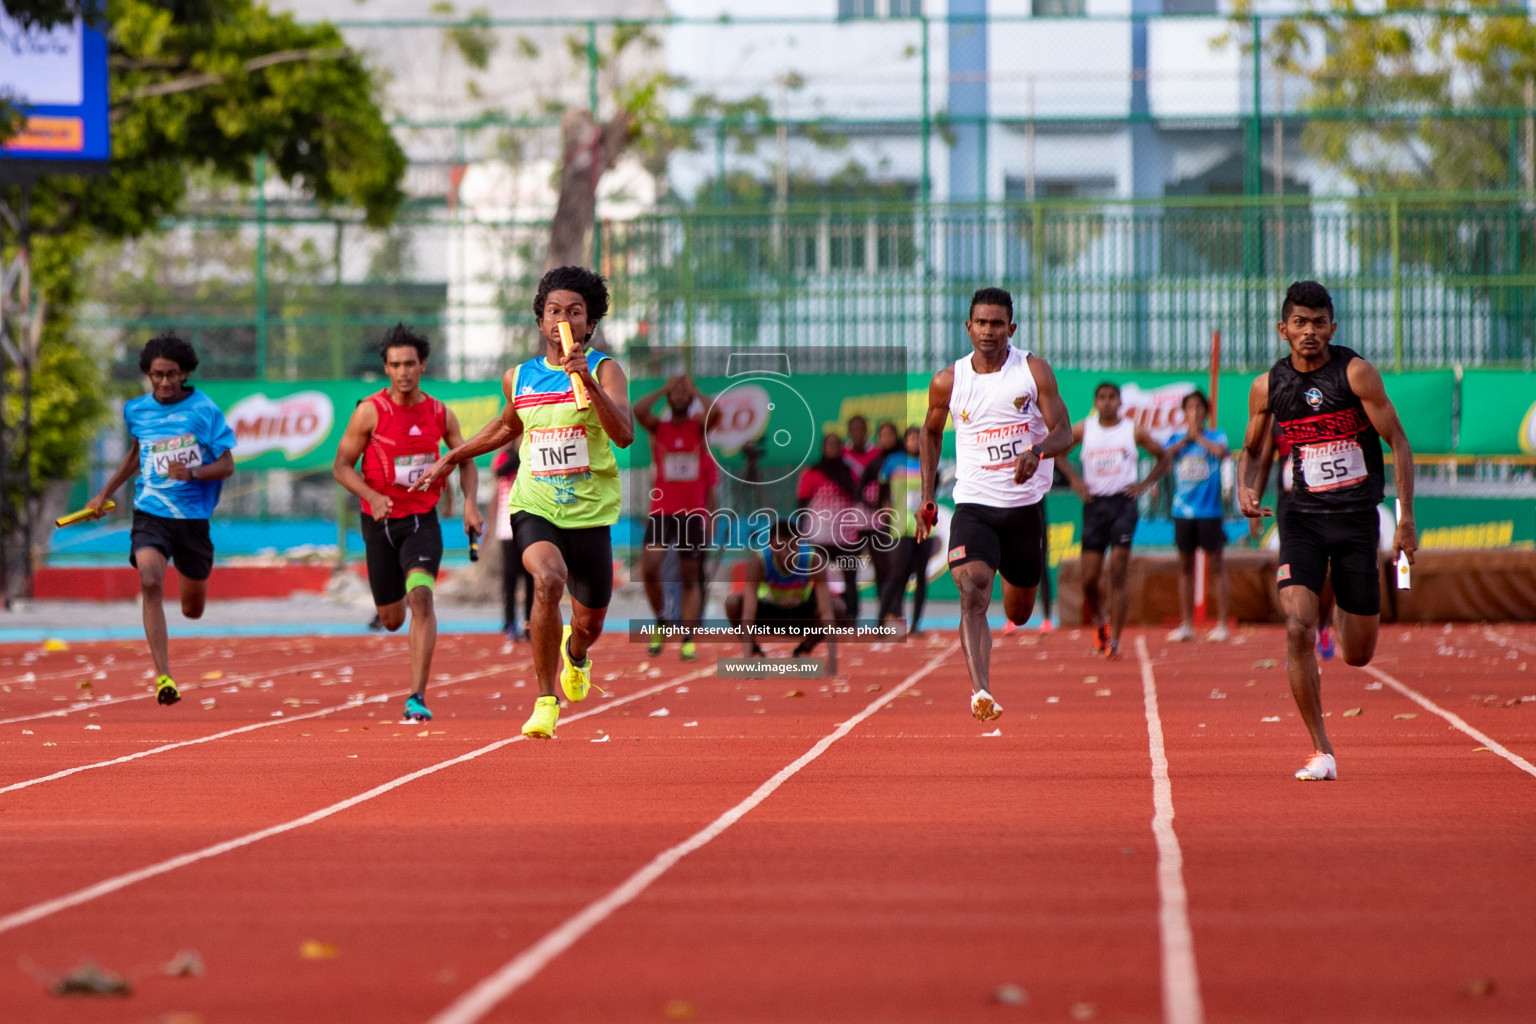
1397,285
261,266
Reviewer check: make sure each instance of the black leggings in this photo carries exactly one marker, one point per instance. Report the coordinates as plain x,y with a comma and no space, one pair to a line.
511,572
909,559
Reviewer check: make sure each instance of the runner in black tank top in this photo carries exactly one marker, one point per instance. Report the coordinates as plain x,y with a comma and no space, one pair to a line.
1330,405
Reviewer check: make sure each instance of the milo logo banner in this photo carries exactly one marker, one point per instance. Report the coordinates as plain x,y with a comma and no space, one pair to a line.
296,426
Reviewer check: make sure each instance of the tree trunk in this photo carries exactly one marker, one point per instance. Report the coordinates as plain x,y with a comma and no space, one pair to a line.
588,151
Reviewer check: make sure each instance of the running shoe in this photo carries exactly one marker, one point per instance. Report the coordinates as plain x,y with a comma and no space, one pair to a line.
541,724
654,647
575,679
688,652
1319,768
1219,635
1047,626
1101,637
416,709
1112,650
1183,635
984,707
1325,642
1009,626
166,692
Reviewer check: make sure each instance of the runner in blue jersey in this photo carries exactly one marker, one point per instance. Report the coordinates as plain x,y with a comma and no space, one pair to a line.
183,451
1197,453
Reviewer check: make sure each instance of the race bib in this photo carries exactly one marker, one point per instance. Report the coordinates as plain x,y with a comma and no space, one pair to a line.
183,449
680,467
1327,467
1193,469
410,468
1103,461
558,451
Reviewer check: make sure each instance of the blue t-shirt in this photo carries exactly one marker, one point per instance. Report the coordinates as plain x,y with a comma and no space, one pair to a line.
1197,479
904,474
191,431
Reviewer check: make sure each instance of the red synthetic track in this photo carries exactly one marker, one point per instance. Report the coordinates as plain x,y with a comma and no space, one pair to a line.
904,875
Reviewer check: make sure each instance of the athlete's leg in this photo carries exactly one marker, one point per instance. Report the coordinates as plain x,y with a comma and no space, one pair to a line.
690,569
586,627
733,609
1217,562
1357,636
392,615
1018,603
651,560
1300,607
1119,591
1187,587
194,597
546,566
152,565
1093,597
974,581
423,635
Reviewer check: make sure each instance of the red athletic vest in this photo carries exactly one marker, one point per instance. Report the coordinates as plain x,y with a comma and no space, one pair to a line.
403,447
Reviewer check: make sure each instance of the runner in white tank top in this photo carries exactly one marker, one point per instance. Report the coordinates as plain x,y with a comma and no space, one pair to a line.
1109,489
1009,422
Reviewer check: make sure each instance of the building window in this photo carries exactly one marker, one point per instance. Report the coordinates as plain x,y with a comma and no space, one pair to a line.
847,9
1059,8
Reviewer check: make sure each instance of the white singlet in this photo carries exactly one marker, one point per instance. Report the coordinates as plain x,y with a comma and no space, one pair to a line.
996,416
1109,456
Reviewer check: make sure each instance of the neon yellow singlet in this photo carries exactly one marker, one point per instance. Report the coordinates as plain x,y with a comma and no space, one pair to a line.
568,474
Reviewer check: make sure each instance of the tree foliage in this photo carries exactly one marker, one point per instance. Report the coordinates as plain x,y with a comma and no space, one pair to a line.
1409,96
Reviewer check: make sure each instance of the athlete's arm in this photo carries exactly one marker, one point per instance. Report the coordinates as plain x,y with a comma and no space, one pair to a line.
1078,485
1365,381
125,469
755,575
711,415
826,614
469,478
1250,486
930,441
365,418
1145,442
609,392
492,436
645,408
220,468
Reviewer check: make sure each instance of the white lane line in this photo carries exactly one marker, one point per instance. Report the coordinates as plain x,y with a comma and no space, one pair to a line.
86,705
107,886
287,720
1455,720
481,999
1181,979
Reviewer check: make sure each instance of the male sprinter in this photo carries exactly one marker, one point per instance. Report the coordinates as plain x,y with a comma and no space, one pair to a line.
681,501
1010,422
786,585
1109,489
567,494
183,451
398,433
1333,410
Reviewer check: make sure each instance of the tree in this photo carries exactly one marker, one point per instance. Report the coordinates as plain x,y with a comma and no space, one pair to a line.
1432,99
197,88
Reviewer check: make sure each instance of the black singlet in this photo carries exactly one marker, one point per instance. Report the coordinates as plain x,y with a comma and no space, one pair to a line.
1335,458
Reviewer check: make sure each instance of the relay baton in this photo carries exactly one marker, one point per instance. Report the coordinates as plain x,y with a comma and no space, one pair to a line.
577,387
929,514
83,514
1403,581
474,547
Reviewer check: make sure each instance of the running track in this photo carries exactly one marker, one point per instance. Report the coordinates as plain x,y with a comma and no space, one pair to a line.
1130,848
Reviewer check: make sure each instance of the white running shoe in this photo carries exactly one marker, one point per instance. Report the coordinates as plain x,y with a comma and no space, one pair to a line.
984,707
1320,768
1219,635
1183,635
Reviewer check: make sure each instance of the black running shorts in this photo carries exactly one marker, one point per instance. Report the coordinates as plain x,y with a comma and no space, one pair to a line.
1009,540
185,542
397,547
588,555
1313,542
1205,534
1109,522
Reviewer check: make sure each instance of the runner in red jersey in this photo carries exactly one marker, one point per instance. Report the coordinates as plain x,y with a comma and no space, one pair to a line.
398,433
681,501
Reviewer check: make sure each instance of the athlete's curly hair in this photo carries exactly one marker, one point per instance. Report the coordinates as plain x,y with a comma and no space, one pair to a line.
399,336
591,287
168,346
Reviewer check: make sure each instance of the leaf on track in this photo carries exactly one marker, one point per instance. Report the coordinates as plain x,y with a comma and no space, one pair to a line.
1265,663
185,964
314,949
1010,995
215,674
1406,714
1354,712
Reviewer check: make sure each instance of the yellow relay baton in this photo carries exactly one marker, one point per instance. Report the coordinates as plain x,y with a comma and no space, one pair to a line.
577,387
83,514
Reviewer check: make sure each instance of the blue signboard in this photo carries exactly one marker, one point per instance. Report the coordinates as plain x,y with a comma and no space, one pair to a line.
58,79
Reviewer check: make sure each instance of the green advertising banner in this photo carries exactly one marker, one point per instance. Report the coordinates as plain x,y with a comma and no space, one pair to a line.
296,426
1498,413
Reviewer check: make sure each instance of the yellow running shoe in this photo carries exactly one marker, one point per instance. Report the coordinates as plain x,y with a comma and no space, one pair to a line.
165,691
575,679
688,652
541,724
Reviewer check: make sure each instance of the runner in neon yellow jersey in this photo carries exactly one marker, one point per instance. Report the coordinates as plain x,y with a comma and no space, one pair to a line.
567,494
